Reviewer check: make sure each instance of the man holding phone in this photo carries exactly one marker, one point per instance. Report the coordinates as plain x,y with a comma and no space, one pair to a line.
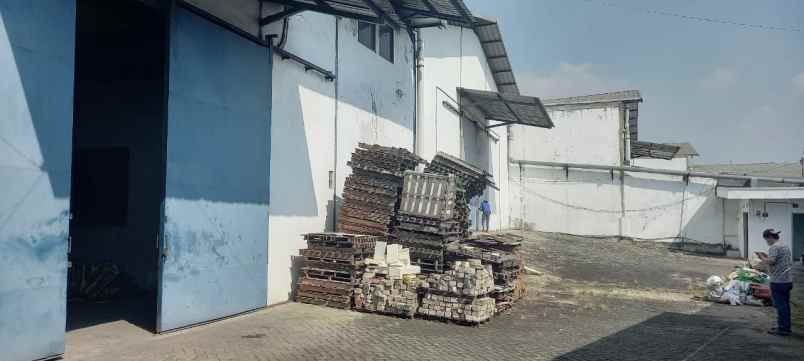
779,260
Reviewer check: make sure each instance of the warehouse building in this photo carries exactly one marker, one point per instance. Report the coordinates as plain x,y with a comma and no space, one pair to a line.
157,151
135,145
341,81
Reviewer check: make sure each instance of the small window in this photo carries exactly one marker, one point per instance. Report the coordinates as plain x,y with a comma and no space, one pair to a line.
367,34
387,43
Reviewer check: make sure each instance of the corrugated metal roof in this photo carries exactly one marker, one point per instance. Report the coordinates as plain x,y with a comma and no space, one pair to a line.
780,170
507,108
619,96
453,10
399,12
685,150
641,149
491,39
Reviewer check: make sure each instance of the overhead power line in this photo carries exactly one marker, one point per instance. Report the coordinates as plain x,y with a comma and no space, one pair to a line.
697,18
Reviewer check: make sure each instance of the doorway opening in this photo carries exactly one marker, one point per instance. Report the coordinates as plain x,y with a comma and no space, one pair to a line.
798,236
118,163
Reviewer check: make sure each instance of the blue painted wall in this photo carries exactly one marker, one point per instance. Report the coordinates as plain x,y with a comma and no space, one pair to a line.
36,108
216,205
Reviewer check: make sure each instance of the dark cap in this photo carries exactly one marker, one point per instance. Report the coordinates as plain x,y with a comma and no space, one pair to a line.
770,233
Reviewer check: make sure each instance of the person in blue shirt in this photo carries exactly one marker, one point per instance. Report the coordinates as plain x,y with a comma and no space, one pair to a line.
485,213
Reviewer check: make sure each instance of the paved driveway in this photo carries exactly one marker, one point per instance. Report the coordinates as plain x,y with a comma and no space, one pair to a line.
594,300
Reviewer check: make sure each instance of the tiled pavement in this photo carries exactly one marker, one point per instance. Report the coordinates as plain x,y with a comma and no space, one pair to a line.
571,313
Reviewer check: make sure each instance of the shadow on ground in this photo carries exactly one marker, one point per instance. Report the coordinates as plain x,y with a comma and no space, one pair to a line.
677,336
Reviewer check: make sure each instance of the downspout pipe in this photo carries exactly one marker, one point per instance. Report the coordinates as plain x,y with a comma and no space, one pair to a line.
797,181
416,37
334,178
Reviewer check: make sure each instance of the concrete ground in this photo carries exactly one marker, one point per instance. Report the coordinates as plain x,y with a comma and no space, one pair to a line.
594,300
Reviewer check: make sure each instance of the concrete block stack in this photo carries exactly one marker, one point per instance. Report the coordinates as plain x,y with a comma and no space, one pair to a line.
389,284
333,265
459,309
388,296
371,192
503,253
460,294
427,219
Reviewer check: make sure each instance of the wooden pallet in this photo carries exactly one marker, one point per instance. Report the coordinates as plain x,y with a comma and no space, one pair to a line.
342,240
313,285
325,274
324,302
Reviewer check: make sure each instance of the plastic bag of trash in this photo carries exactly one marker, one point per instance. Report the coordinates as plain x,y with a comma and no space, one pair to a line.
714,287
714,282
753,301
732,296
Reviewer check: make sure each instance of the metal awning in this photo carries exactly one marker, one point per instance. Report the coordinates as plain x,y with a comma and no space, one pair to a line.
504,108
640,149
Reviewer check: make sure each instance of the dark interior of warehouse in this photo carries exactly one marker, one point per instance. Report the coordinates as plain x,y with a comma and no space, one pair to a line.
118,163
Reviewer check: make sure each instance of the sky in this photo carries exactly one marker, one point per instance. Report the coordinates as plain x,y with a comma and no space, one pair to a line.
735,92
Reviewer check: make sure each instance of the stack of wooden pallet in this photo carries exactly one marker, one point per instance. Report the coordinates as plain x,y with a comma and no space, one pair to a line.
460,294
427,219
333,265
502,251
371,192
471,182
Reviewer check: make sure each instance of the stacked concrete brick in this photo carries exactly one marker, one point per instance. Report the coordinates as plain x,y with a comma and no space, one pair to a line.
504,257
382,295
460,294
461,309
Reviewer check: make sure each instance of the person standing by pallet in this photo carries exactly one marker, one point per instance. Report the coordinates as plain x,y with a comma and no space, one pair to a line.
485,213
780,263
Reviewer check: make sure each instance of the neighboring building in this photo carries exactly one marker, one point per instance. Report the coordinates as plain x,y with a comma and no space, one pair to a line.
776,170
591,175
764,203
564,180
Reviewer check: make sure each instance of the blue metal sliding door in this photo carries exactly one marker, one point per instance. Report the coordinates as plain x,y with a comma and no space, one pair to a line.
37,54
214,261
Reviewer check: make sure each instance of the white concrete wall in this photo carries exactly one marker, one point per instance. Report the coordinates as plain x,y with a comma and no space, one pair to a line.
580,136
671,164
377,97
589,202
376,105
780,218
601,203
453,57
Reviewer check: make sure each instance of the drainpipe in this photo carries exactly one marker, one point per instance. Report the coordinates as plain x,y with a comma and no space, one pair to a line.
723,222
334,173
622,162
417,72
